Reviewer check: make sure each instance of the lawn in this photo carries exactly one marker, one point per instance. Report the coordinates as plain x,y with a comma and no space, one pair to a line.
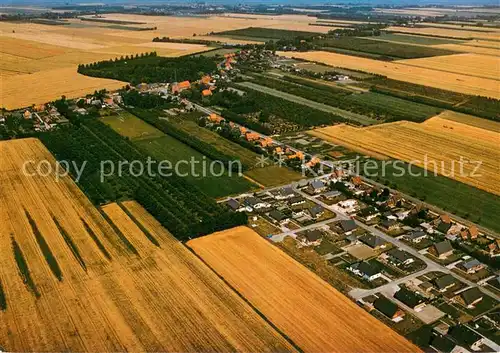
274,175
463,200
167,148
386,49
130,126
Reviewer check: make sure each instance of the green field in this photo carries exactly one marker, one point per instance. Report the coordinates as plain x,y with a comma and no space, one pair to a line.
397,107
453,196
420,40
130,126
274,175
167,148
222,144
266,33
217,52
386,49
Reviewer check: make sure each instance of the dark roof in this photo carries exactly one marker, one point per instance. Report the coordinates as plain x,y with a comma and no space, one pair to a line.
408,297
372,240
317,184
277,215
286,191
445,281
443,227
415,234
471,264
385,306
442,344
313,235
315,210
233,204
471,295
443,247
464,335
386,223
399,255
367,269
296,200
347,225
251,201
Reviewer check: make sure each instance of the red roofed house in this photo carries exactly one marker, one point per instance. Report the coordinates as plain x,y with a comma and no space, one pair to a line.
181,86
206,93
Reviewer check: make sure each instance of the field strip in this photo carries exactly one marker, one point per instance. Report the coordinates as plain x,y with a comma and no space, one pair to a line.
470,49
474,65
313,314
364,120
422,76
470,120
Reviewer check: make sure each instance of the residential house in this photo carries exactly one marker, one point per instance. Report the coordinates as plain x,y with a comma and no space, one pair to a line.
278,217
310,237
389,224
368,213
234,205
442,249
266,142
348,226
252,136
399,257
416,236
373,241
181,86
296,200
494,248
365,270
410,299
348,206
466,337
445,282
389,309
255,203
316,211
471,266
471,297
469,234
444,226
401,215
316,187
284,193
27,115
330,195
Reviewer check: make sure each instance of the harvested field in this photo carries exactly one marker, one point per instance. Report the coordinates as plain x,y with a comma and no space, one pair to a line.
423,76
41,87
164,299
467,64
446,32
470,120
313,314
441,141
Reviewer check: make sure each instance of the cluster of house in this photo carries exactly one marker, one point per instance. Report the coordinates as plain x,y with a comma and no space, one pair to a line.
279,206
283,64
44,116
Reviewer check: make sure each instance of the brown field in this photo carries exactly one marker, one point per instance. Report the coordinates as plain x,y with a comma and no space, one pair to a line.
423,76
446,32
468,64
313,314
439,139
163,299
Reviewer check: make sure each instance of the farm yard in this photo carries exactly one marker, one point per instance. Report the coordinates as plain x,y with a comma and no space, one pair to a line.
439,141
115,287
423,76
281,289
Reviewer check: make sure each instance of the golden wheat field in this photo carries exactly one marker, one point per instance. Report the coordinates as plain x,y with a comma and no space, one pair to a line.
423,76
470,120
468,64
108,299
308,310
439,140
446,32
